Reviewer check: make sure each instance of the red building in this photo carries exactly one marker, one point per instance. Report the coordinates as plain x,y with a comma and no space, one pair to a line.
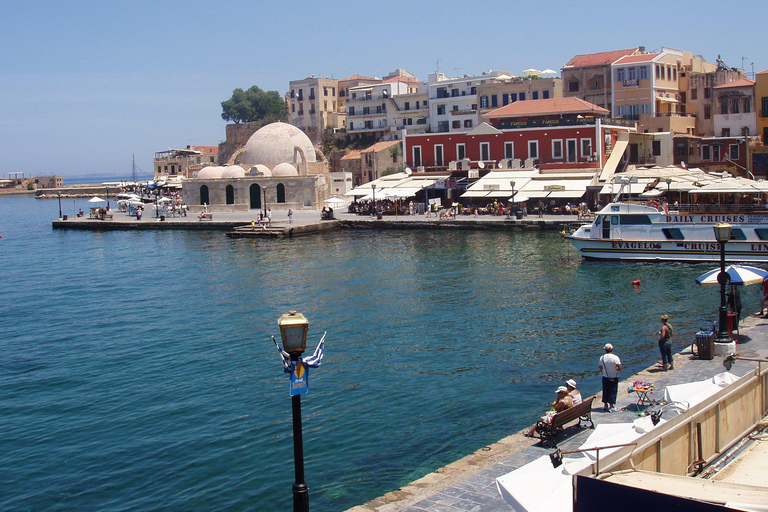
556,133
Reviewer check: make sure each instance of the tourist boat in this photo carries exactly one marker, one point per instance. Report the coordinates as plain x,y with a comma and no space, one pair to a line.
645,232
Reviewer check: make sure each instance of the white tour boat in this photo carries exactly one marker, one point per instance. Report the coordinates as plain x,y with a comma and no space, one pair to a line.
635,231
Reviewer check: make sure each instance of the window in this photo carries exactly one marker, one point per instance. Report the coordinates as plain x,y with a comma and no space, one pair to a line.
513,97
535,95
586,148
461,151
694,94
533,149
747,105
473,90
762,233
725,132
325,91
416,155
632,73
442,126
673,233
455,108
706,152
467,123
504,99
707,112
407,105
522,96
643,72
658,71
674,74
621,75
456,124
707,92
545,95
352,110
656,147
454,92
571,147
441,110
573,86
557,149
738,234
494,100
634,220
438,154
485,151
483,101
733,151
230,194
509,150
735,106
596,84
716,153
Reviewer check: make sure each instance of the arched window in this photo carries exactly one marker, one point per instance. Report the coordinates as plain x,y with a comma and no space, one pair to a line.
280,193
204,199
230,193
255,193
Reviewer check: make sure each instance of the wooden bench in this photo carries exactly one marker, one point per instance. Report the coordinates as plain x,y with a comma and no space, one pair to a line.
581,412
106,216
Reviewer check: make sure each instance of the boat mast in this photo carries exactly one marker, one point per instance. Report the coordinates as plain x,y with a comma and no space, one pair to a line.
134,167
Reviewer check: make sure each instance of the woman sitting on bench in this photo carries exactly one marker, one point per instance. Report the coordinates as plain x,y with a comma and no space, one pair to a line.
564,401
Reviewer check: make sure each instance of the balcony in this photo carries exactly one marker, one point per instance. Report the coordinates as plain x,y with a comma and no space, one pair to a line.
631,83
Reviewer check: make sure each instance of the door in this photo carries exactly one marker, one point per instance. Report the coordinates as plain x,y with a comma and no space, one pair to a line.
571,150
255,197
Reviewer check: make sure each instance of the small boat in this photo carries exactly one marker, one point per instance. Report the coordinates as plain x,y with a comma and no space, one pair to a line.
645,232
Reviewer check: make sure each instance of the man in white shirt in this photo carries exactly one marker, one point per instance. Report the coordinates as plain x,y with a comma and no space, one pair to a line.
610,364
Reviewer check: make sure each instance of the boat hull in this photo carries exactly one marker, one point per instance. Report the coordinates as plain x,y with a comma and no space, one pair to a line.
693,252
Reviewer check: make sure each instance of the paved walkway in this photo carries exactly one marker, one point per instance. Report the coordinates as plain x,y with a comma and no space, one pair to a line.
469,485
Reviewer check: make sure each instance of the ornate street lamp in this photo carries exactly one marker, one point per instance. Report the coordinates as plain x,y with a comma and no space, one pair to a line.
373,187
293,330
59,194
722,235
265,210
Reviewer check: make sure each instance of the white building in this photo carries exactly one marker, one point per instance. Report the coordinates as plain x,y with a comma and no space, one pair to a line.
453,102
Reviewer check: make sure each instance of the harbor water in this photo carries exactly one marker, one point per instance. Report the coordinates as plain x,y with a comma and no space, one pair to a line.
138,372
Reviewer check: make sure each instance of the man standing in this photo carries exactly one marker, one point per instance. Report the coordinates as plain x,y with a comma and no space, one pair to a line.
610,364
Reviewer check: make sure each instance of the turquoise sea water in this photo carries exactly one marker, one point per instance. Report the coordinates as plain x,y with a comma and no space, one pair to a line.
137,372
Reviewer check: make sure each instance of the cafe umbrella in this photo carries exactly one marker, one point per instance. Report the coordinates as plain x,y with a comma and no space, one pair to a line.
739,275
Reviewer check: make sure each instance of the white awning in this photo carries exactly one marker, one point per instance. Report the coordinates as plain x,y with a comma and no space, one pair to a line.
613,161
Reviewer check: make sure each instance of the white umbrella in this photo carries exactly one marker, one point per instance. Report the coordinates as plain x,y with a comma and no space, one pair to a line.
96,199
335,200
549,72
531,71
519,198
165,200
739,275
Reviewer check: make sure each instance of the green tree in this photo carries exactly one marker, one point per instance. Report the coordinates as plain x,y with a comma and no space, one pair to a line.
254,105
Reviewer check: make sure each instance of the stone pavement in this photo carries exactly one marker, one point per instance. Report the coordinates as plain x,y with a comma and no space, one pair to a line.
469,485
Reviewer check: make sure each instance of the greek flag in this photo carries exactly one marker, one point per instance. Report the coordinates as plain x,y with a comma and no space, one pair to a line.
313,361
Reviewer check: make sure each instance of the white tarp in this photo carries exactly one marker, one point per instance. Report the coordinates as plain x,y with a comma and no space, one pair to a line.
539,487
693,393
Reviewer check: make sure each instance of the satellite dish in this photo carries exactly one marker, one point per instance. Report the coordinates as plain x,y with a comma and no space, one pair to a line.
408,171
481,165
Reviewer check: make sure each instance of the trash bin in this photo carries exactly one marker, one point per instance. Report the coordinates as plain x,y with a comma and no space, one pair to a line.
379,215
64,217
705,344
519,214
733,325
162,218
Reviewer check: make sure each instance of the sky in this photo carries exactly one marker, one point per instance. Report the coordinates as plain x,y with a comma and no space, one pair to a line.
86,86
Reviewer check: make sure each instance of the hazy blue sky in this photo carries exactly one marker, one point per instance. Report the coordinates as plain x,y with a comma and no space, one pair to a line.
84,84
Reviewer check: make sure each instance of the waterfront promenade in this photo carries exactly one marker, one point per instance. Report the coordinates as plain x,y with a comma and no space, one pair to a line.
469,484
309,221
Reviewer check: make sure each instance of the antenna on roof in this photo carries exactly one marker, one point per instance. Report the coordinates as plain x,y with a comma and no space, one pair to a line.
437,66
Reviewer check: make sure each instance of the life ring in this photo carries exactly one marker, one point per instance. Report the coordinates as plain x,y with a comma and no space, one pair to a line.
653,203
636,282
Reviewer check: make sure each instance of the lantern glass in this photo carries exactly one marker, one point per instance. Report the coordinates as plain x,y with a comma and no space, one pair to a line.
722,231
293,329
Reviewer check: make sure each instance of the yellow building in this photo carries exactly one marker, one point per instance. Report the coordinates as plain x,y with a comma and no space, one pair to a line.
761,100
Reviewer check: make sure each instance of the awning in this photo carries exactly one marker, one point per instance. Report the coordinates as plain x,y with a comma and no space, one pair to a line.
613,161
667,100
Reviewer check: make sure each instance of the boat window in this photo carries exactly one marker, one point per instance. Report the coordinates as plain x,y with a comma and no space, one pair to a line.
615,220
762,233
673,233
738,234
598,220
634,219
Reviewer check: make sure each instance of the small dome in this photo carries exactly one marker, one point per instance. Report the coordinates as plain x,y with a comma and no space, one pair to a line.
260,170
233,171
209,173
276,143
284,169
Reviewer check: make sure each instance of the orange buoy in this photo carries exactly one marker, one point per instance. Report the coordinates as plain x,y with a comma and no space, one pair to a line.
636,282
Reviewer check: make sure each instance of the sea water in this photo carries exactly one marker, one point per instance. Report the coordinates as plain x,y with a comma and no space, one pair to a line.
138,372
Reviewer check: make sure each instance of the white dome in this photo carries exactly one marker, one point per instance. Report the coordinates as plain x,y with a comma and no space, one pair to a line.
233,171
261,170
210,172
284,169
275,143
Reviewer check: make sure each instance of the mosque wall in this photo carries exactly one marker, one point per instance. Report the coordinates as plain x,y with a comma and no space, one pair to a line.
300,193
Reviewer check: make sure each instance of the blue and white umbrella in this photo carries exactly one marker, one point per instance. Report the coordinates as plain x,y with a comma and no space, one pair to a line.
739,276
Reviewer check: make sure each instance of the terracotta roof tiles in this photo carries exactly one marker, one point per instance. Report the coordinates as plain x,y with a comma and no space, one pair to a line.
545,107
741,82
598,59
645,57
380,146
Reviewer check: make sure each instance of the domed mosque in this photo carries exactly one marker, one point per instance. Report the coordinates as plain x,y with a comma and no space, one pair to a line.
277,168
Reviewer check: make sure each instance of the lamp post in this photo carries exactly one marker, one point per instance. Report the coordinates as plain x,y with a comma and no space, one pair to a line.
265,202
59,194
669,181
512,184
722,235
293,330
373,187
